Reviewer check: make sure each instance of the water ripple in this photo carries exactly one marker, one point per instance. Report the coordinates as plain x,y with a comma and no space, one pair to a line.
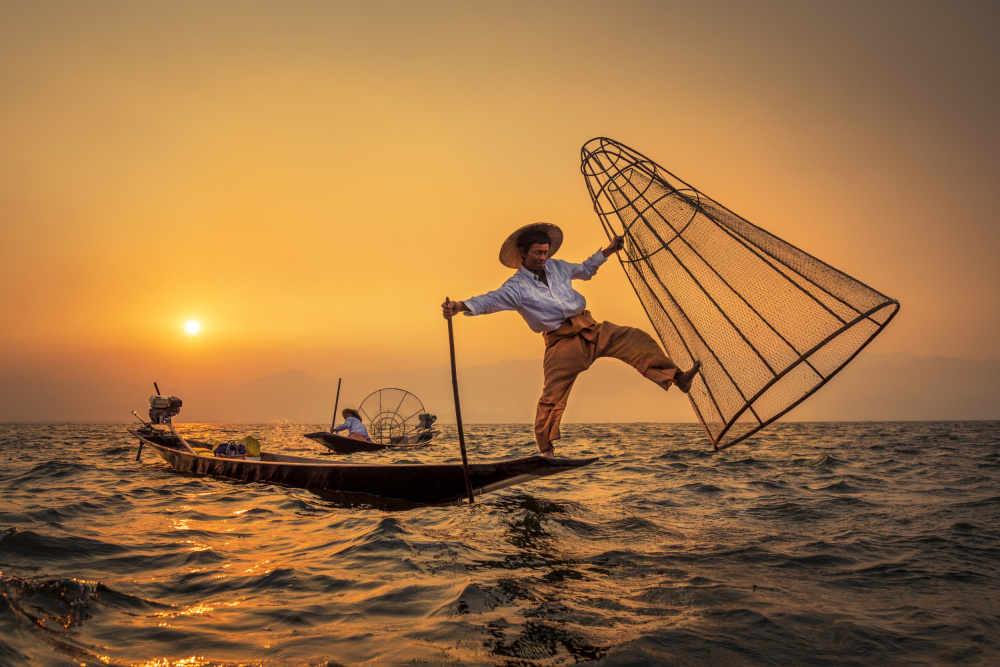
821,544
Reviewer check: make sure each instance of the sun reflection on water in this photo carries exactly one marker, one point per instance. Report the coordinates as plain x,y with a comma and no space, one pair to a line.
193,661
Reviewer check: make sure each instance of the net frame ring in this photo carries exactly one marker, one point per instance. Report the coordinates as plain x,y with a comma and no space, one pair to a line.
390,413
616,177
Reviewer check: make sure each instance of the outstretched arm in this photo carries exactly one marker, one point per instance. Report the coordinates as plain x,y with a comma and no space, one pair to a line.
506,297
588,268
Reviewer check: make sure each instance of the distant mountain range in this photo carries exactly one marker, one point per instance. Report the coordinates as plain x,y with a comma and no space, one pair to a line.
875,387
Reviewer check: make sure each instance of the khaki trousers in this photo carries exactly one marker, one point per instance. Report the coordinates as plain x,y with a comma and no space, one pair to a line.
573,348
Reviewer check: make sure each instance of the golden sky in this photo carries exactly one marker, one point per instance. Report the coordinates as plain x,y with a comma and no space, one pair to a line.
309,180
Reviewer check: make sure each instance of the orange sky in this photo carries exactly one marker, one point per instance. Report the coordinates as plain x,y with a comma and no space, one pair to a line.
309,180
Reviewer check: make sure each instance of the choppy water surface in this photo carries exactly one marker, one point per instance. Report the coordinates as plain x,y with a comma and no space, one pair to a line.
820,544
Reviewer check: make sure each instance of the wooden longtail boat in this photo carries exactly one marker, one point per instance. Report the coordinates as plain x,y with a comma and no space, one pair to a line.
431,483
342,445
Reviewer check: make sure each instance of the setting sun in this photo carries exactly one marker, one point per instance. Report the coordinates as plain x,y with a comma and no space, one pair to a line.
192,327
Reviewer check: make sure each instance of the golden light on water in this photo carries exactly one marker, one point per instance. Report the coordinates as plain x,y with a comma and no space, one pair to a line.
192,327
193,661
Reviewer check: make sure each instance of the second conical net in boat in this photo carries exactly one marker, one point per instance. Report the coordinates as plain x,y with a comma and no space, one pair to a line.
770,323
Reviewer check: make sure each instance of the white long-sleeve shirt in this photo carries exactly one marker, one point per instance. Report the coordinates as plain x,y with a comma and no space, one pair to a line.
543,307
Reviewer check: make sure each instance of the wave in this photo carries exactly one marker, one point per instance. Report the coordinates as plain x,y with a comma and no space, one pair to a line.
807,546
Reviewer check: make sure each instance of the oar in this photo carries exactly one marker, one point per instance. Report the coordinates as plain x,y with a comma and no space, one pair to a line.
183,441
458,410
138,454
336,401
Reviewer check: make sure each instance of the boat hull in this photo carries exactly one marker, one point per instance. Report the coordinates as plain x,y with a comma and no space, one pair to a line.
341,445
432,483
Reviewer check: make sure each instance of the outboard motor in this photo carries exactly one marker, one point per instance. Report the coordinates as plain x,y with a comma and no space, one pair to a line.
162,408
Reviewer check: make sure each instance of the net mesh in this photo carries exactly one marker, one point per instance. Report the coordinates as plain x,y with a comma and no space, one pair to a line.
769,323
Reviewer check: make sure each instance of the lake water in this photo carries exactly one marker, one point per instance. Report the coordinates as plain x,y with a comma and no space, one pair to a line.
819,544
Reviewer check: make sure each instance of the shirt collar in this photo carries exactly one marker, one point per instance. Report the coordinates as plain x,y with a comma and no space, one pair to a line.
528,275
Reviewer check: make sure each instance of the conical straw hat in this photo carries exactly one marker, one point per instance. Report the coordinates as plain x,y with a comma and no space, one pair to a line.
510,255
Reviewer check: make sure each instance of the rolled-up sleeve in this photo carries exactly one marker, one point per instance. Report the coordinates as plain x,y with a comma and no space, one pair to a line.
506,297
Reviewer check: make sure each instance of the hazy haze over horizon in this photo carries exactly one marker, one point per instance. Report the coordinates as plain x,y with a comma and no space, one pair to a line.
876,387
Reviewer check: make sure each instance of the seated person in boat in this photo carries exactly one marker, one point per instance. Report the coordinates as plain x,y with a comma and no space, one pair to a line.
352,423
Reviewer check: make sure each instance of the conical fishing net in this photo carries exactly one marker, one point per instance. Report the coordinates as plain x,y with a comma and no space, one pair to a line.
769,323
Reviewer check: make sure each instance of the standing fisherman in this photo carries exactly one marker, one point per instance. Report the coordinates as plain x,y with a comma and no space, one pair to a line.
542,292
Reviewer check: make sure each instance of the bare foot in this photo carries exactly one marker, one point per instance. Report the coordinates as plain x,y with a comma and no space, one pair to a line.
549,453
685,379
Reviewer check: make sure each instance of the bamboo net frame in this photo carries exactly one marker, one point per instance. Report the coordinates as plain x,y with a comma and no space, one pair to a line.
770,323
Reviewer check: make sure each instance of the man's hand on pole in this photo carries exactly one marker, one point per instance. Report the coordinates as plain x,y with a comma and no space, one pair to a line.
452,308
